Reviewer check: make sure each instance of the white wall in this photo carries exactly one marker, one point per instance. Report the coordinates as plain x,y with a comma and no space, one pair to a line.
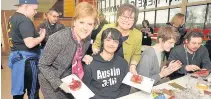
8,4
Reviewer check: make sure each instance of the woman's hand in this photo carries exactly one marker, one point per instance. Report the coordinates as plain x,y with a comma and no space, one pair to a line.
164,72
87,59
174,65
150,34
133,69
95,51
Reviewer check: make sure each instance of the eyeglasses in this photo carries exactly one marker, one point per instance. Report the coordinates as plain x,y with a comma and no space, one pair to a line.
123,17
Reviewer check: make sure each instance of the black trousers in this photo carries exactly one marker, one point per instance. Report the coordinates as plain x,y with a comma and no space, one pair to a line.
28,82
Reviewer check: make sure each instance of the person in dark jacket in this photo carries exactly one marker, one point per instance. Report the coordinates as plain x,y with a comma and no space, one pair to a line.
193,55
147,32
96,31
62,55
208,45
102,23
50,24
178,23
107,70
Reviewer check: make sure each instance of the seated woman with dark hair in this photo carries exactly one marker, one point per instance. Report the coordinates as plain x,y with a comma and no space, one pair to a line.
107,70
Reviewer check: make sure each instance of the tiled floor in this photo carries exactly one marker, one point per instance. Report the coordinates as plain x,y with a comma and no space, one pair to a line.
6,81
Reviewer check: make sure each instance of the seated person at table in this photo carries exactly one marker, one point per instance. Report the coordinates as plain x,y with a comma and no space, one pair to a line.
208,45
151,59
105,73
193,55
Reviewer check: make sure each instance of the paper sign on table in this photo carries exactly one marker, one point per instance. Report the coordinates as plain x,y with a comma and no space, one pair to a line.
83,93
146,84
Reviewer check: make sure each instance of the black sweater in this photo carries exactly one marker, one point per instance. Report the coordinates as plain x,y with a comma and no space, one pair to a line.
208,46
200,59
104,78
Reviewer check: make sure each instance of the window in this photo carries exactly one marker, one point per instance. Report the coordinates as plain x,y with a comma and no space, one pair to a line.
162,17
107,18
99,6
112,19
195,16
195,0
103,6
176,2
140,18
107,4
150,16
138,3
150,4
173,12
208,22
122,1
161,3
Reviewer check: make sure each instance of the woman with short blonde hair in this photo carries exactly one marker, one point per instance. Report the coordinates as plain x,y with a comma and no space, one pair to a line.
177,22
151,59
64,51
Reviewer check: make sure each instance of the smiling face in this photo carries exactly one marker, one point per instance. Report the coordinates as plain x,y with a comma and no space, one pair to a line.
110,45
83,26
126,20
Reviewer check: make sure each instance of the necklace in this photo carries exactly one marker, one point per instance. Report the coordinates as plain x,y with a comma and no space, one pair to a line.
186,54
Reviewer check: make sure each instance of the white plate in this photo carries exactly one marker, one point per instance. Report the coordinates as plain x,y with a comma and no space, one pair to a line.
146,84
83,93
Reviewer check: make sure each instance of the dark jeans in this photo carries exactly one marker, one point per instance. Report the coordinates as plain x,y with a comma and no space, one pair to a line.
27,83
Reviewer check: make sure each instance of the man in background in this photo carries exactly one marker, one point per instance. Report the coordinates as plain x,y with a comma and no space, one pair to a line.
96,31
50,24
25,50
102,23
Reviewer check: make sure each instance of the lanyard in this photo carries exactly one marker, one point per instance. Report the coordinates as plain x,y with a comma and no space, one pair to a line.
186,54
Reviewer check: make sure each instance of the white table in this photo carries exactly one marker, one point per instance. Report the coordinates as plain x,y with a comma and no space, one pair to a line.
183,81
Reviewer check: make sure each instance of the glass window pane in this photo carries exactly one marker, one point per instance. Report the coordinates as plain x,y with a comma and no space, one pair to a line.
195,0
107,4
196,16
103,5
173,12
150,16
123,1
99,5
162,17
140,18
107,18
176,2
208,23
117,3
150,4
161,3
112,19
138,3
